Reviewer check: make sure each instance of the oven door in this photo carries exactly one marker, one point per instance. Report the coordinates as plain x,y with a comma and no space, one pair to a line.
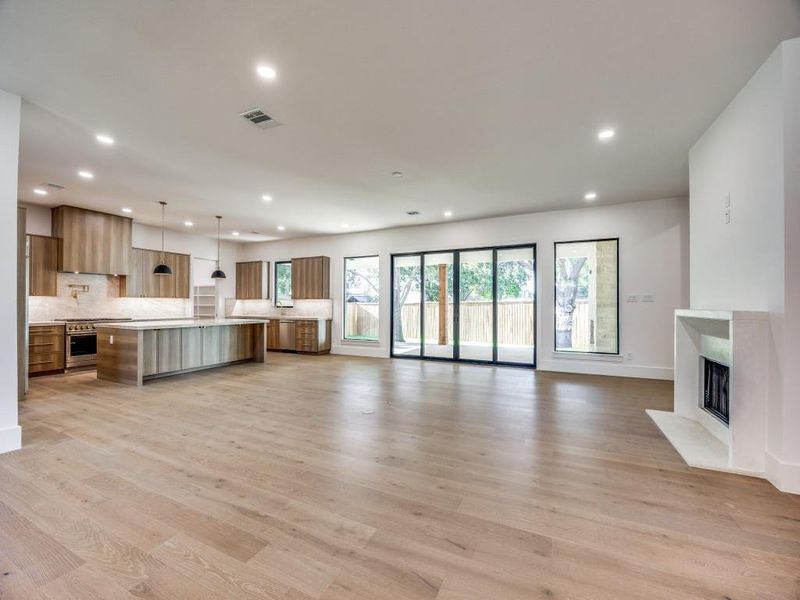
81,349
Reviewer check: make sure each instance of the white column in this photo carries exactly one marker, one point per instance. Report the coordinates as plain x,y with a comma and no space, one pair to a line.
10,432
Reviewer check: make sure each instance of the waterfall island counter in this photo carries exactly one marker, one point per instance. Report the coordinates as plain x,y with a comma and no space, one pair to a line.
133,352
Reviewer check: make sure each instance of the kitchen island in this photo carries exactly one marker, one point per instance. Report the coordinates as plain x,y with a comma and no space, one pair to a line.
133,352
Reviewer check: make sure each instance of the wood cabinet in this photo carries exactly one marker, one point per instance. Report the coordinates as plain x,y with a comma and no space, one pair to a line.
274,335
91,241
169,350
46,349
191,348
142,283
43,265
311,278
313,337
252,280
211,350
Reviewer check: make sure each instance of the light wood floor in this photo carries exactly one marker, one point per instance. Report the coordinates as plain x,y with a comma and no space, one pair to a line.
333,477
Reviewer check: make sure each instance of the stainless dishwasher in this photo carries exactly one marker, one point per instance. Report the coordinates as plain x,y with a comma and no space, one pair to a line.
286,337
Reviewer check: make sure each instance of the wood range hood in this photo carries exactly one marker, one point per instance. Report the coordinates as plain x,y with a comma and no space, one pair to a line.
92,242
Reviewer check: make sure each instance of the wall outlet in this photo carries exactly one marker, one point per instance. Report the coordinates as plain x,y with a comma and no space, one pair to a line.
629,356
728,208
111,340
648,298
633,298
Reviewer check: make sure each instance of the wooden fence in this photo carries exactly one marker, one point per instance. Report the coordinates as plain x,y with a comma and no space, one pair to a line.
514,321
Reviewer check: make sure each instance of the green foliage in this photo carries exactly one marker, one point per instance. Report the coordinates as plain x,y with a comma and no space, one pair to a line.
283,281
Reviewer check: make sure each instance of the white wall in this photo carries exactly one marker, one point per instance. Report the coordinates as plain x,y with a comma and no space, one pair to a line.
102,300
653,260
10,432
751,154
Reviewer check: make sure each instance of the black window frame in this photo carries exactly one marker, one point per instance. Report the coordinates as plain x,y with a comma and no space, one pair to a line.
275,275
555,259
344,298
456,302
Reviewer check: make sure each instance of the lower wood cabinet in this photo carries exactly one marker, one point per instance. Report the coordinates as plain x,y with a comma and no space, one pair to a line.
274,335
211,351
191,347
168,350
46,349
313,336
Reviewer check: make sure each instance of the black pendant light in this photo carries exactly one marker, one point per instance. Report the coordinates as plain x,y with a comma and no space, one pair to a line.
218,273
162,268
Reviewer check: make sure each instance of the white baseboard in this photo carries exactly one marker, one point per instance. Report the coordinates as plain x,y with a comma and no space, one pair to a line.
588,367
10,439
359,350
784,476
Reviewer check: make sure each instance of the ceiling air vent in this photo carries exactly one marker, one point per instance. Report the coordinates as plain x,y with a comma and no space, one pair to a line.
412,213
53,186
259,118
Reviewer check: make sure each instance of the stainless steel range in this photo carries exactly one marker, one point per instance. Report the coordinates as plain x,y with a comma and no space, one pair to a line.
81,342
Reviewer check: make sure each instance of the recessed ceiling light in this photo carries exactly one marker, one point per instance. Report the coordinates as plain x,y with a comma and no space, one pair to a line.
86,174
127,210
605,134
448,213
40,192
266,72
590,195
345,226
281,227
397,173
188,223
266,198
104,139
235,232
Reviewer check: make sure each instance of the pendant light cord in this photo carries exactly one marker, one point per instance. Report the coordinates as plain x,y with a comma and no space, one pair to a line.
163,208
219,223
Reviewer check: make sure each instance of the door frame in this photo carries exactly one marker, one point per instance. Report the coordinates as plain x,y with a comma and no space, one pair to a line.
456,306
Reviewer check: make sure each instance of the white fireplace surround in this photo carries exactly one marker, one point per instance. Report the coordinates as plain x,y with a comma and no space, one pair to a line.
740,340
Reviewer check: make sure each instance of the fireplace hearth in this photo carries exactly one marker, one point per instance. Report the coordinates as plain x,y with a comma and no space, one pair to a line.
715,389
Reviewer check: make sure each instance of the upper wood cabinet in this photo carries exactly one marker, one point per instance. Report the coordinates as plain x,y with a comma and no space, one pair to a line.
43,265
142,283
311,278
252,280
92,242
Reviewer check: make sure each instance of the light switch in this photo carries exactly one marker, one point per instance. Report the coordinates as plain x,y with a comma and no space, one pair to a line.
648,298
633,298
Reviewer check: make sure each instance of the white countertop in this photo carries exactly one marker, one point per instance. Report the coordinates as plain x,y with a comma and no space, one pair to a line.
285,318
177,323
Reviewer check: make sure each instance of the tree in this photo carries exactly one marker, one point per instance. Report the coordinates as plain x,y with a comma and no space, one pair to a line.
568,272
405,279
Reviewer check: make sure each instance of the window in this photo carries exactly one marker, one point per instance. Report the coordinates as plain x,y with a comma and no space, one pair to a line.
283,283
587,296
361,298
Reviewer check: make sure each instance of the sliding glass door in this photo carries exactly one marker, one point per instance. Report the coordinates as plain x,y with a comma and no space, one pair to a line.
475,305
516,305
438,313
406,296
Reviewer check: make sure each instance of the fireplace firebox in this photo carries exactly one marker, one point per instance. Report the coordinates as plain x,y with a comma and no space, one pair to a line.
715,389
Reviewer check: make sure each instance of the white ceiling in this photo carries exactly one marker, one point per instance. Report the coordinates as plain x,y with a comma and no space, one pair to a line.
489,107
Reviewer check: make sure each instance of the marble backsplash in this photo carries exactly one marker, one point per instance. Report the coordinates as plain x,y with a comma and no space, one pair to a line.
317,309
102,300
